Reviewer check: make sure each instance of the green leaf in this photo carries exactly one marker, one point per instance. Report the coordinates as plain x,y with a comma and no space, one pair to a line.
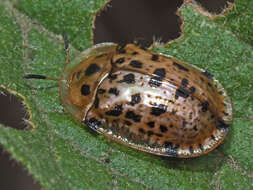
61,154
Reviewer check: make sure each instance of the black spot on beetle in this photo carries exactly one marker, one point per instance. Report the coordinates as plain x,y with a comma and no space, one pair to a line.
129,78
184,123
170,149
160,73
156,80
191,149
93,68
151,124
181,92
96,102
129,123
158,134
85,90
112,76
141,130
190,115
135,64
201,147
133,116
114,91
150,133
204,106
212,137
135,53
221,125
120,60
121,48
101,91
207,74
192,89
135,99
176,146
121,51
180,66
168,144
93,122
184,83
154,57
195,128
117,111
159,110
153,82
163,129
225,113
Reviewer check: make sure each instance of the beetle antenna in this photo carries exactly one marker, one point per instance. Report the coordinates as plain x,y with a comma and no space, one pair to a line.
31,76
66,47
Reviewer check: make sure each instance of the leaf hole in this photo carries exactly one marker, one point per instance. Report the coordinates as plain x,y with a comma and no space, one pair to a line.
12,111
140,21
215,6
13,175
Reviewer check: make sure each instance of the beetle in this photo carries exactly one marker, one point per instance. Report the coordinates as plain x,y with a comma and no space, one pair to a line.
148,101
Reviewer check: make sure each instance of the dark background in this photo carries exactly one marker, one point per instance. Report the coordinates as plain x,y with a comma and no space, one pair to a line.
124,21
